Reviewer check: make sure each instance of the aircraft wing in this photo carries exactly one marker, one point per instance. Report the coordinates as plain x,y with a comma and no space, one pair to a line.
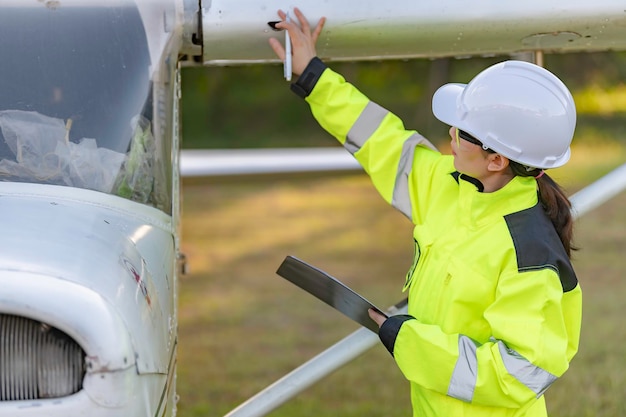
235,32
220,162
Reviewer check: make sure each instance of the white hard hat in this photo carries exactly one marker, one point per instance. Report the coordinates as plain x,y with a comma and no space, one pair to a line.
516,108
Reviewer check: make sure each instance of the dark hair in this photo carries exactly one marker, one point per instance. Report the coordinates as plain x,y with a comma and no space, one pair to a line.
554,202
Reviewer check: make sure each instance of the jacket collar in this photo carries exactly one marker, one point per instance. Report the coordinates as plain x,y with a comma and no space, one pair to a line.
478,208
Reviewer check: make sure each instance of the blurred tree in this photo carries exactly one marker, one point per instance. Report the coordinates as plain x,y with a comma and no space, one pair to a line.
252,106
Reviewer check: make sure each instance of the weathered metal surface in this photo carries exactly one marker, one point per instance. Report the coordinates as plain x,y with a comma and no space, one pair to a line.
237,31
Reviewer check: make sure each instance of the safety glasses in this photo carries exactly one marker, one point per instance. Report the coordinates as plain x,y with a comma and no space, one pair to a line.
461,134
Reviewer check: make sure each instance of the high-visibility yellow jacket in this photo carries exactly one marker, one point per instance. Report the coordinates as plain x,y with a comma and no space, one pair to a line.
494,304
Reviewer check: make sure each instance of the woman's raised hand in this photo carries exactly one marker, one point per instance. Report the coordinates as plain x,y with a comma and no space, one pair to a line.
303,40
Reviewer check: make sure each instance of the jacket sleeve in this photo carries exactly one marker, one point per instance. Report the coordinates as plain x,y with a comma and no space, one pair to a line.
535,332
374,136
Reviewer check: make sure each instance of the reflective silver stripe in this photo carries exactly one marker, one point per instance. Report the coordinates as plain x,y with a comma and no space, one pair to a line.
370,118
366,124
536,379
463,381
401,198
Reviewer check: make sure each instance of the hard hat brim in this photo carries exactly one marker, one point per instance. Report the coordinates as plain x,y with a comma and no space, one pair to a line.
446,104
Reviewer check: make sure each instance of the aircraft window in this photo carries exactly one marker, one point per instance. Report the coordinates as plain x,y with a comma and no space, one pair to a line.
76,107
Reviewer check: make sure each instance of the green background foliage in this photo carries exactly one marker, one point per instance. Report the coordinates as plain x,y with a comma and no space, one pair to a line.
252,106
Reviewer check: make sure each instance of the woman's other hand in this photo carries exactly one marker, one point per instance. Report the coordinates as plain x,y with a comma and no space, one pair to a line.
376,316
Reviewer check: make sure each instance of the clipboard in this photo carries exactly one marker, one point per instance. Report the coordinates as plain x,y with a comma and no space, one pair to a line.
330,290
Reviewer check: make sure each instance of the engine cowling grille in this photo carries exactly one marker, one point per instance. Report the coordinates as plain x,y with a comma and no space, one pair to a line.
37,361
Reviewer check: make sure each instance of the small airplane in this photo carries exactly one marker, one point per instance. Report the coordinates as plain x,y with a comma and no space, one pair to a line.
90,165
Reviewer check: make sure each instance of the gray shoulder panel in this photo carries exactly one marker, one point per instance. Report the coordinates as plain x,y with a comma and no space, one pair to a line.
538,246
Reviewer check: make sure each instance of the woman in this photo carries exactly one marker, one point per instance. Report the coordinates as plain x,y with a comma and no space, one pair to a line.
494,304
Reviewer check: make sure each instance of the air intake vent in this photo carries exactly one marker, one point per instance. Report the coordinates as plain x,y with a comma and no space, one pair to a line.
37,361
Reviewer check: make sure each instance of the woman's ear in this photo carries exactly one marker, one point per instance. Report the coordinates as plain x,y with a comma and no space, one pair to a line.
497,162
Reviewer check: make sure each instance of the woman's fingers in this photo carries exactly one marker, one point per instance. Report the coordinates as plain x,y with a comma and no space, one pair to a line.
278,48
304,24
376,316
318,29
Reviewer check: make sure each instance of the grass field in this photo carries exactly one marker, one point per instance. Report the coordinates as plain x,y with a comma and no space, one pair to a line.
242,327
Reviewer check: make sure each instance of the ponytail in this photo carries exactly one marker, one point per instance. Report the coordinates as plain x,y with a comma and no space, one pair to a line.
558,207
555,203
